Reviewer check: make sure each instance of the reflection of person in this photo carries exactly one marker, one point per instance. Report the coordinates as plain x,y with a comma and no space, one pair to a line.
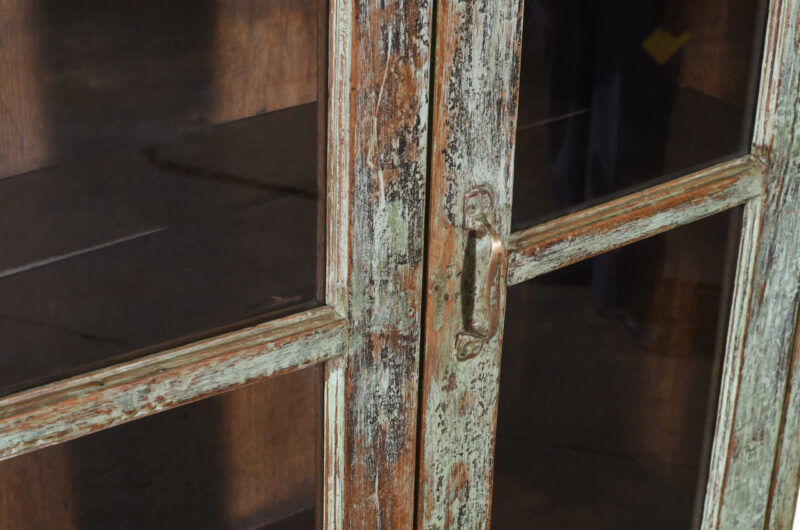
614,103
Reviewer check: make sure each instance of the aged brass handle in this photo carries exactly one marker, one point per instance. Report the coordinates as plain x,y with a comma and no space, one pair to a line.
478,206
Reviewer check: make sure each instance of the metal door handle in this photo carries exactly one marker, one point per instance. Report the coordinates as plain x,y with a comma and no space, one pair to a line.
478,208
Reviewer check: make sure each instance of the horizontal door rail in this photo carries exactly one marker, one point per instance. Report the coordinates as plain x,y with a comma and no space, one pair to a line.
110,396
581,235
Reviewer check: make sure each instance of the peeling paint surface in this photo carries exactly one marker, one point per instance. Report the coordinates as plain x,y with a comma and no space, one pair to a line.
757,459
475,98
340,43
378,154
569,239
97,400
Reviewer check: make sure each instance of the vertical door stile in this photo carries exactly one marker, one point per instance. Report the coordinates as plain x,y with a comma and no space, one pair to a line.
474,124
340,37
380,56
761,459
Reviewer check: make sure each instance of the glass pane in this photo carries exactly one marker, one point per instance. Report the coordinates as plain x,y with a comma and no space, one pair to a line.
614,94
159,168
609,385
246,459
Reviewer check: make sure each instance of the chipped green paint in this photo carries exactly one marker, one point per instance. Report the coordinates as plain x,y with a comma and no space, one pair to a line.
787,465
97,400
571,238
397,216
340,41
475,98
378,151
754,482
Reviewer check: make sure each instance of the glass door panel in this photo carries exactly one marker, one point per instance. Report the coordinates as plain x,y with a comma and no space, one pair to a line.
160,163
609,382
604,414
614,94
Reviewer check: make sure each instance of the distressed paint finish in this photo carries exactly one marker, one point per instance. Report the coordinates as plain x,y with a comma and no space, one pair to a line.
333,444
340,42
475,107
767,335
97,400
380,54
572,238
732,362
787,465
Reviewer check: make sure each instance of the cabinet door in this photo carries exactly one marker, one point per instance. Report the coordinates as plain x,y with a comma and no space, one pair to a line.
198,196
613,207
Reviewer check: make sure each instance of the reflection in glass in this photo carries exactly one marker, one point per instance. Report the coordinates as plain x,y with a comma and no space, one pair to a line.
615,93
609,384
245,459
159,168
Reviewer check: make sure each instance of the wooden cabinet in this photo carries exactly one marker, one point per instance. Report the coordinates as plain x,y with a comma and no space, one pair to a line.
259,260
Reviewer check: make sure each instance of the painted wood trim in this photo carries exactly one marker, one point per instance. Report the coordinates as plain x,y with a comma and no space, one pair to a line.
340,42
324,39
379,90
753,469
474,125
340,36
781,16
786,478
333,488
732,361
575,237
111,396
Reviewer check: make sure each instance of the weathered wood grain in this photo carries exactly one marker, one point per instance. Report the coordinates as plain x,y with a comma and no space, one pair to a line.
572,238
97,400
474,113
753,489
379,83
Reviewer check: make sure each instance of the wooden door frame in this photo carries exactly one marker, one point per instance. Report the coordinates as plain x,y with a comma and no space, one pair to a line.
755,463
367,333
378,155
